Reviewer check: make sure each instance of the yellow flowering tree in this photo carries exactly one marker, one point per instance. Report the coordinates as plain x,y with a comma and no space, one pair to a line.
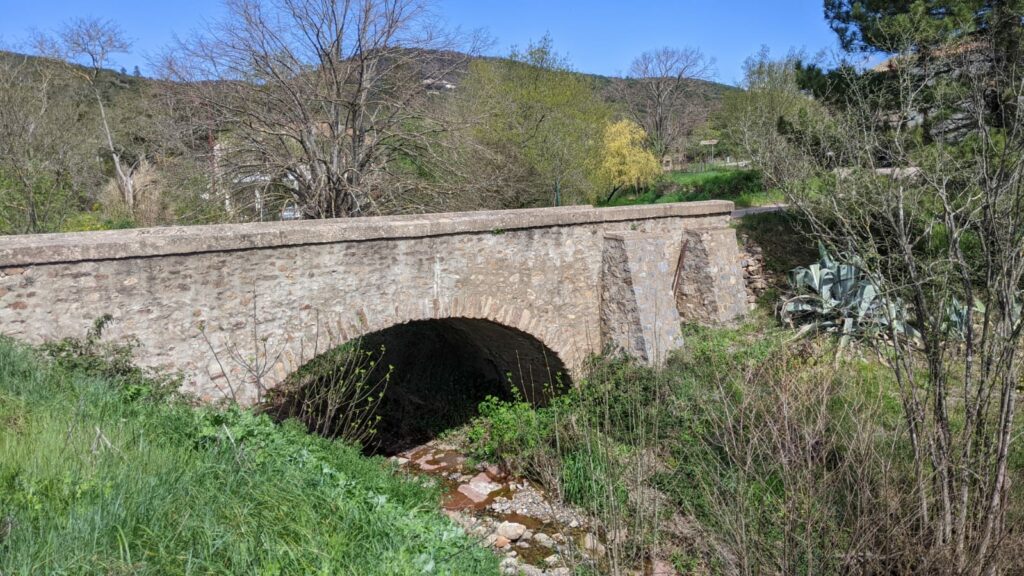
625,161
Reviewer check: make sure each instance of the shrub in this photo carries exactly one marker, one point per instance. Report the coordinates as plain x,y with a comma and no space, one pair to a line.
509,430
587,478
112,361
336,395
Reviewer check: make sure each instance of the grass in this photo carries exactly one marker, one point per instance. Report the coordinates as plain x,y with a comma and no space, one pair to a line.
103,471
742,187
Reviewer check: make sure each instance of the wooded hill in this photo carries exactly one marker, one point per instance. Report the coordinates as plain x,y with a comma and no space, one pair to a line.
88,148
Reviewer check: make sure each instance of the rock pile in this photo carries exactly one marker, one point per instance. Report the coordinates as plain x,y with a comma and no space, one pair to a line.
536,535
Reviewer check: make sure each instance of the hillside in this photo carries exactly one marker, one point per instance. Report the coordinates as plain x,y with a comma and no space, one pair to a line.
453,64
111,82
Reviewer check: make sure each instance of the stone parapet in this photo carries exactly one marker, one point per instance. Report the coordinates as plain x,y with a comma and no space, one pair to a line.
177,240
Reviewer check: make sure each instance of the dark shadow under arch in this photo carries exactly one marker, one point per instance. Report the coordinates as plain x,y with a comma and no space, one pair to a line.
441,370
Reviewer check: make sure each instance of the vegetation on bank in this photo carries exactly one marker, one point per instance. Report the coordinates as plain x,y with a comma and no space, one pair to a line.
743,187
910,174
104,470
751,451
747,453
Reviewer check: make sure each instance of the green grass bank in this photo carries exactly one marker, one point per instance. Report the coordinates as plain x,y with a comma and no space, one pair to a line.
104,470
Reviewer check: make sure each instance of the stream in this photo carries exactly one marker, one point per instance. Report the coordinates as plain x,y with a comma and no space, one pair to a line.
535,534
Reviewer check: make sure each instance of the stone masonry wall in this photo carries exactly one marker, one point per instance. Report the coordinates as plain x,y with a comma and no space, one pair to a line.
201,300
756,277
709,286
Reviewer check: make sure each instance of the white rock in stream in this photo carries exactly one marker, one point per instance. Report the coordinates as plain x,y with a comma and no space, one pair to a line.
591,543
527,570
511,530
509,566
544,540
479,488
483,483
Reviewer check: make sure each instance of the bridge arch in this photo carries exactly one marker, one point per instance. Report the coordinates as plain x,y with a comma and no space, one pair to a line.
518,319
438,371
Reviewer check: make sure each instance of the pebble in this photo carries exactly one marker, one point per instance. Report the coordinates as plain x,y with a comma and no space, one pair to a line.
528,570
501,542
511,530
544,540
509,566
591,543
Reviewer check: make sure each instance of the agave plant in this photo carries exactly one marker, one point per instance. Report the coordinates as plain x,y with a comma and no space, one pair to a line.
840,298
955,322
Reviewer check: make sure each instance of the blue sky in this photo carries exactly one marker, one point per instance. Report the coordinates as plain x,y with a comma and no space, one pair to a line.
598,36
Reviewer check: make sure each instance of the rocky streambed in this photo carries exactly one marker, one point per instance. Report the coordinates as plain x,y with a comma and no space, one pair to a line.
536,534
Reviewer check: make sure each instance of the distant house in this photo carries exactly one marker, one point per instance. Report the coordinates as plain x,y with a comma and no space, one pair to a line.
437,85
674,160
291,212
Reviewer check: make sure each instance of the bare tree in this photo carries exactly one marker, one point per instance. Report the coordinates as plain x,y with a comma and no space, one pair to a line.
750,117
664,94
328,103
94,41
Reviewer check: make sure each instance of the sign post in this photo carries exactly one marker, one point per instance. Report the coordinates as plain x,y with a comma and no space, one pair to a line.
710,143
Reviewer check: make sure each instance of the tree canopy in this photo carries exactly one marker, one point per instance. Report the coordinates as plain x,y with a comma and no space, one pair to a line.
625,162
878,25
543,117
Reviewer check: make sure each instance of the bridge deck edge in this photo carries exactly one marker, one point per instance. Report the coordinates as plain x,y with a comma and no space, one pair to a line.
38,249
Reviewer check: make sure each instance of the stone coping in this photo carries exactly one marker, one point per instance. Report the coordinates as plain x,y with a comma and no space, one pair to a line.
30,249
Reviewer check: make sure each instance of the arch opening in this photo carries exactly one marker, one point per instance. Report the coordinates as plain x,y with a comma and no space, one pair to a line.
433,374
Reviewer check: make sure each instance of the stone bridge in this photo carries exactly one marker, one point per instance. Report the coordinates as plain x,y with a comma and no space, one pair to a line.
239,307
